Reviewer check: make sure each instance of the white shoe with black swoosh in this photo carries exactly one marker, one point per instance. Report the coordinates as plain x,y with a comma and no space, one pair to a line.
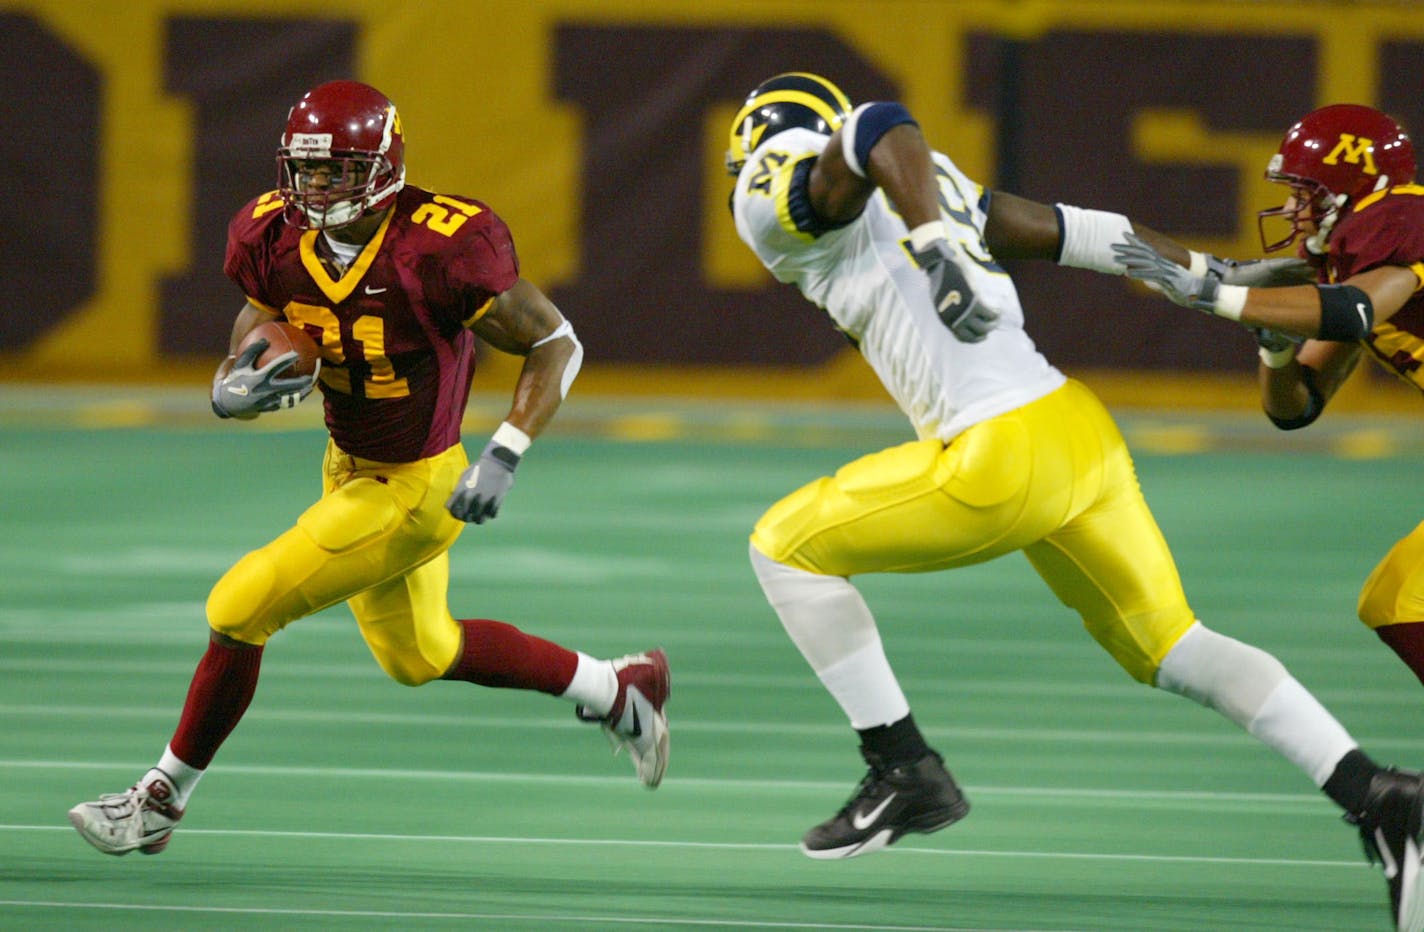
637,721
889,802
139,819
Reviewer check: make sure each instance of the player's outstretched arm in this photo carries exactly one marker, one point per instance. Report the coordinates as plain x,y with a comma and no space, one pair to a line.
1019,228
524,322
1346,311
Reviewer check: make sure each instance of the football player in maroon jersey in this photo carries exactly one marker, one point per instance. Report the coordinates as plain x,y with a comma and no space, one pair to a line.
394,283
1356,217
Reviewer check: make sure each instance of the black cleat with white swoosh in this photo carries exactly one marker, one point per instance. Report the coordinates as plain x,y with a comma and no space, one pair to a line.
1392,829
890,802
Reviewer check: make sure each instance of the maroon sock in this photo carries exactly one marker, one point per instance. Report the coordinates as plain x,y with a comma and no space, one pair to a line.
1406,640
222,687
498,654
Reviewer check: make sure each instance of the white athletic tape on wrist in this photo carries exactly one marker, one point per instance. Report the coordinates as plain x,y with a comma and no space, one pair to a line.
1197,266
1230,301
926,233
1088,236
507,435
1277,359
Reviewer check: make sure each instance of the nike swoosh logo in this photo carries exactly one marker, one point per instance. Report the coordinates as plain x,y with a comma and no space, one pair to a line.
474,479
637,731
370,290
240,390
863,820
1364,317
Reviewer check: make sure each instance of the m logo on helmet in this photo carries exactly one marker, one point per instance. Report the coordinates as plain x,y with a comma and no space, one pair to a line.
1354,149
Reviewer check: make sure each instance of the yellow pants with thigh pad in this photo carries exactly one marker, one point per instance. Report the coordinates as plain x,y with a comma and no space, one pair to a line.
1053,479
377,539
1394,592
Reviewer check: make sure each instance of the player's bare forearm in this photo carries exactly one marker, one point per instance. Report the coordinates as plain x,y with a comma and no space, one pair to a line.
249,317
902,166
1019,228
1284,394
1297,310
520,323
537,393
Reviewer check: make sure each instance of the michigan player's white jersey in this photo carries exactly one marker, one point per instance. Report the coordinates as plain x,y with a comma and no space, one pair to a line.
863,276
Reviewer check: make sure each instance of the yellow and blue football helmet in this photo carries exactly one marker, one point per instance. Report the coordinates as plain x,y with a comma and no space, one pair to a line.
794,99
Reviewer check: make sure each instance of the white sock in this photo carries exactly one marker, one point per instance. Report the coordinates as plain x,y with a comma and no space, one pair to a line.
866,688
1255,691
594,685
1293,722
171,770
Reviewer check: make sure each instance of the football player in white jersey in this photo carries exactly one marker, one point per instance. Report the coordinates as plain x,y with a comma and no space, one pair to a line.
898,246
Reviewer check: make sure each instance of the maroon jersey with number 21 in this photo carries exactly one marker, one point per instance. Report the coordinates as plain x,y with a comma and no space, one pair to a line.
397,358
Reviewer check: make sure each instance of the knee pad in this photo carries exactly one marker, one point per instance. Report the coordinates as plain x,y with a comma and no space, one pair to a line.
235,604
405,670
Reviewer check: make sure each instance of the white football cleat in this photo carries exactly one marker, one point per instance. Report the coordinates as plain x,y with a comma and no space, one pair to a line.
139,818
637,721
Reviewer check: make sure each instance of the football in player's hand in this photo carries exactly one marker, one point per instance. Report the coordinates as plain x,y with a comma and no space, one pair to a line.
283,337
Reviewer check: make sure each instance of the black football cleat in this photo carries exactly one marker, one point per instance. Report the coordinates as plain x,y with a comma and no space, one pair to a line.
889,802
1390,827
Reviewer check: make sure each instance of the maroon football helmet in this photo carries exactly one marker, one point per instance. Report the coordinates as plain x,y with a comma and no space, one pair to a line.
342,155
1331,157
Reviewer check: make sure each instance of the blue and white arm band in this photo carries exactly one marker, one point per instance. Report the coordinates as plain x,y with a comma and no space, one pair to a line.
864,127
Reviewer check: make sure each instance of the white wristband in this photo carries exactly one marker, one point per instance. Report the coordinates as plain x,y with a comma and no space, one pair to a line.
1230,301
926,233
507,435
1277,359
1088,237
1198,265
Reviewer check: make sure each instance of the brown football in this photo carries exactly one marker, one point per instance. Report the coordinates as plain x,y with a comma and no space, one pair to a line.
283,337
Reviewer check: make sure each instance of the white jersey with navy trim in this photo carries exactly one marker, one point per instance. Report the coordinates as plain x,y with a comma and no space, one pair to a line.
861,274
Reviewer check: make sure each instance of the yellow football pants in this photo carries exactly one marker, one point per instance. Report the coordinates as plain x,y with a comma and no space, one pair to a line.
1394,592
1053,479
376,539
